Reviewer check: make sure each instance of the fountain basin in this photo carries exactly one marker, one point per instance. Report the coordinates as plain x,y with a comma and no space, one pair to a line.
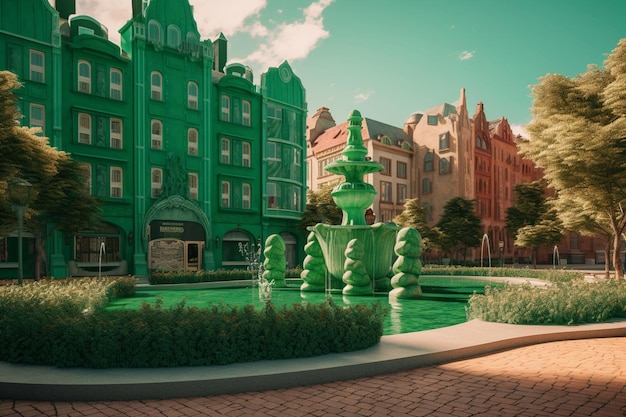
378,241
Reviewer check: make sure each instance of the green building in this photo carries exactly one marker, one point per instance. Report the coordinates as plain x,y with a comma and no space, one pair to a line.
189,156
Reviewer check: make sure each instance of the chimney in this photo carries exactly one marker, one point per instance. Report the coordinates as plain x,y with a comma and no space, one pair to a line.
219,53
65,8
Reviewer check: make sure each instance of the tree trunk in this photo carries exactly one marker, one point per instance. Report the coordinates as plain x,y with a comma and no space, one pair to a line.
607,258
37,272
617,261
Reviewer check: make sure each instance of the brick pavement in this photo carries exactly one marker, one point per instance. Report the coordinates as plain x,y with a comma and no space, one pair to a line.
572,378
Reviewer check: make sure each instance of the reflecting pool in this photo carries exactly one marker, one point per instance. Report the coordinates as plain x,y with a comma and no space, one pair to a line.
442,305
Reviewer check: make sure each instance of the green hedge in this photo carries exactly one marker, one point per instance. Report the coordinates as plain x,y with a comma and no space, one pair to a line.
550,275
568,303
61,331
175,277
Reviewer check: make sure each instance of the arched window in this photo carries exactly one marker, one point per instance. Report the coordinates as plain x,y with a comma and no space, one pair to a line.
157,134
192,142
173,36
192,95
428,162
115,84
156,86
84,76
154,31
225,114
444,166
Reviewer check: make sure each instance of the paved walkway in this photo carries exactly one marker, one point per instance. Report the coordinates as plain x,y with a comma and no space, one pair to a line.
568,378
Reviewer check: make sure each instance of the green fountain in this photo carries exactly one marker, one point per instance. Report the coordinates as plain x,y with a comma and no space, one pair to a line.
354,257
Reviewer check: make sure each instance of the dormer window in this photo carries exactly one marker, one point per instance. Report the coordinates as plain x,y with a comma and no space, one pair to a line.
173,36
154,31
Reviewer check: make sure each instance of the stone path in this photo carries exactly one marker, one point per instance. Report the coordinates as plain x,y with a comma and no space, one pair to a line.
571,378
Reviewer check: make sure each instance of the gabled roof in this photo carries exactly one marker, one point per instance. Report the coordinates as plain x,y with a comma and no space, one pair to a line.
371,129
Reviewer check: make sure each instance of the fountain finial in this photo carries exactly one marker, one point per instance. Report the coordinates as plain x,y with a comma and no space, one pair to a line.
354,150
354,195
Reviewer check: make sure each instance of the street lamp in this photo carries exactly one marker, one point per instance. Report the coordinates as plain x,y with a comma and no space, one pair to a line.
20,194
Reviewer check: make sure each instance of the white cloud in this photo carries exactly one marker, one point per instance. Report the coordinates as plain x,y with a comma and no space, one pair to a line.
465,55
291,41
520,130
361,97
215,16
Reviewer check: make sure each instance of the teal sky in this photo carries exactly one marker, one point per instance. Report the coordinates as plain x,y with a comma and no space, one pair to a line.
391,58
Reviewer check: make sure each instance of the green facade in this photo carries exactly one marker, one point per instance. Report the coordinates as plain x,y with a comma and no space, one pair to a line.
189,156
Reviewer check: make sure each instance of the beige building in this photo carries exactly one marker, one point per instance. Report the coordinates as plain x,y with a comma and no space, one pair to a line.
387,144
443,160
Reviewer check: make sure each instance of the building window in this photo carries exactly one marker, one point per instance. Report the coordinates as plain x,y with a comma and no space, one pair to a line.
272,196
192,142
156,86
401,193
38,116
427,186
245,193
225,194
386,163
385,140
296,157
245,154
225,115
154,31
192,95
573,240
88,247
433,120
116,134
173,36
272,151
386,192
37,66
401,168
225,158
193,186
117,189
115,84
245,113
444,141
156,175
274,121
84,128
84,77
428,162
157,134
444,166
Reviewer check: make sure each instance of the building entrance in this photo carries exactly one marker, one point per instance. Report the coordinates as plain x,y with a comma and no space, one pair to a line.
175,246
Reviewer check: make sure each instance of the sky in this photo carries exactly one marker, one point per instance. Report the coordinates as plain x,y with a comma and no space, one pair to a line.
389,59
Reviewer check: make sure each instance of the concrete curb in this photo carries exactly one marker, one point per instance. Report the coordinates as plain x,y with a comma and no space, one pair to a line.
392,354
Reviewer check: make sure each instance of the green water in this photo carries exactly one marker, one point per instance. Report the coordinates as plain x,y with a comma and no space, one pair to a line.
443,304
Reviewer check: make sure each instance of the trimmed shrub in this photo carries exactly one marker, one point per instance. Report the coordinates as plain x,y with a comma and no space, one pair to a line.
53,328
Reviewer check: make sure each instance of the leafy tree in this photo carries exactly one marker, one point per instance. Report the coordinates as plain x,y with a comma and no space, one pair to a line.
576,138
61,200
415,215
529,207
460,227
577,215
548,231
320,208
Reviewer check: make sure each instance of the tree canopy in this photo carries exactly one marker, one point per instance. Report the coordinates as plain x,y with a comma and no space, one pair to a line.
415,215
320,208
61,200
460,226
577,136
